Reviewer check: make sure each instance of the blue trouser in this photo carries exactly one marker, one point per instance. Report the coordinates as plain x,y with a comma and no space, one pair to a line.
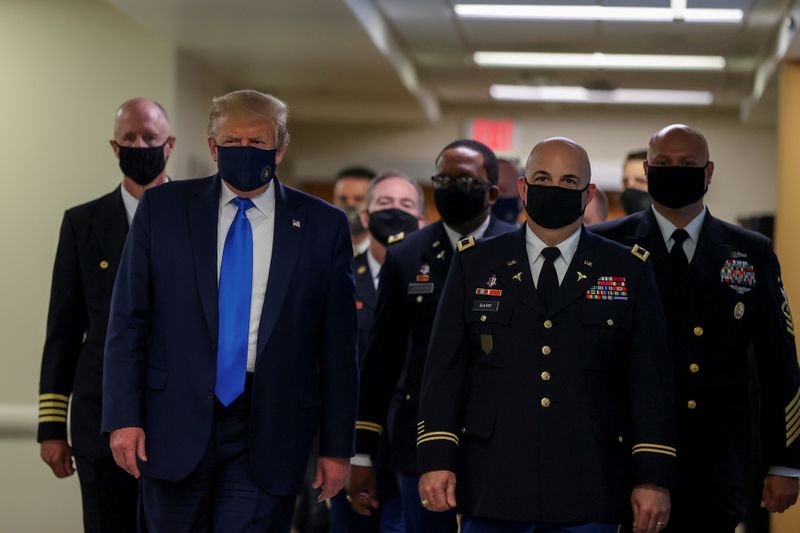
418,519
388,518
487,525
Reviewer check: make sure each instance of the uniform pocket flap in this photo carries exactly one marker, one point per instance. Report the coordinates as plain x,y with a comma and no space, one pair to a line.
610,315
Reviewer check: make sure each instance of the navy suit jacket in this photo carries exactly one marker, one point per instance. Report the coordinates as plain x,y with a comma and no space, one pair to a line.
161,348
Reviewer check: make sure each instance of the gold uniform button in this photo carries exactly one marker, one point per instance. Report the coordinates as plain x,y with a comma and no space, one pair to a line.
545,402
546,350
483,318
419,299
610,322
694,368
698,331
548,324
545,376
408,397
104,264
691,404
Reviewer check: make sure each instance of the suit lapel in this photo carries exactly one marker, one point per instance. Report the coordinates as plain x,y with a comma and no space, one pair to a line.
285,248
515,274
709,256
203,212
648,235
111,227
439,254
580,274
365,288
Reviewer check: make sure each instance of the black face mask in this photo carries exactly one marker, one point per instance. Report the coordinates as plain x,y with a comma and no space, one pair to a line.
142,165
634,200
676,187
387,222
457,206
553,207
246,167
354,218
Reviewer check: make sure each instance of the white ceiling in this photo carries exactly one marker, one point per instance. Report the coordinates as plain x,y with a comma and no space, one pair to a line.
320,55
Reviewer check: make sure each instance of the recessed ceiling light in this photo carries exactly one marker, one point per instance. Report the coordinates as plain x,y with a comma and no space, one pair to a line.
598,60
581,95
677,11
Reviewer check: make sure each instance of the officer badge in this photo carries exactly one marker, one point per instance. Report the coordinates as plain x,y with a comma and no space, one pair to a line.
608,288
738,311
517,277
492,281
581,276
487,344
738,272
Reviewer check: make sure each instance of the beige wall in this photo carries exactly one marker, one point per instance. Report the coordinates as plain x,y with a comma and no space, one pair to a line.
66,67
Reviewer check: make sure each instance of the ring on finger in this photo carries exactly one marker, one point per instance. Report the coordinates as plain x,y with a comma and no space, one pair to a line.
425,503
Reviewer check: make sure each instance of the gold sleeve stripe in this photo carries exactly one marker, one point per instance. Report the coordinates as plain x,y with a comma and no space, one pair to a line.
420,431
62,405
53,419
794,403
793,423
421,424
369,426
791,438
53,396
43,412
653,450
793,411
438,434
658,446
429,439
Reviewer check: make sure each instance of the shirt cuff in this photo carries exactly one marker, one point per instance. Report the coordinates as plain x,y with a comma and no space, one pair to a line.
361,459
783,471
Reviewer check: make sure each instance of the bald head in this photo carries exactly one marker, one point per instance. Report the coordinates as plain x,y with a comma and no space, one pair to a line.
678,145
559,158
141,120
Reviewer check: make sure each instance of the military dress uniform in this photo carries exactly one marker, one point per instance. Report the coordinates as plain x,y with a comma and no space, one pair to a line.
412,278
729,299
89,250
547,414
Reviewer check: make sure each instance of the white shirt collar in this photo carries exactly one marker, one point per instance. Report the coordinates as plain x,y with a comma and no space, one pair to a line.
453,236
264,202
130,202
567,247
374,268
692,228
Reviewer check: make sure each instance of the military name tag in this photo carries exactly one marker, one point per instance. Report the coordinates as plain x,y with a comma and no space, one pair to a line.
420,288
486,305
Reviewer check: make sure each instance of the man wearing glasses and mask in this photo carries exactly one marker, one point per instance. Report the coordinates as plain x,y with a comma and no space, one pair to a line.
547,391
412,279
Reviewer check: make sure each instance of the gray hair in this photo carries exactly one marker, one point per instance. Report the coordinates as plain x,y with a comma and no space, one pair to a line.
395,174
250,102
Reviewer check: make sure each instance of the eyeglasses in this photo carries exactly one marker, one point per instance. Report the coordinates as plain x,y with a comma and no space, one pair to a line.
464,183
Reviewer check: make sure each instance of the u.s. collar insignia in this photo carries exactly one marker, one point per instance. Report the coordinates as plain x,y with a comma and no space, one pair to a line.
587,263
492,281
517,277
440,255
581,276
640,252
463,244
396,238
511,263
436,244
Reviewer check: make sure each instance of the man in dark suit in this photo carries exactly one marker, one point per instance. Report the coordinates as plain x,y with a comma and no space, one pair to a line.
411,282
89,250
721,290
232,337
393,211
548,385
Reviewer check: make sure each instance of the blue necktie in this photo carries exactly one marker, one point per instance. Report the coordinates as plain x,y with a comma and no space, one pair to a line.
235,286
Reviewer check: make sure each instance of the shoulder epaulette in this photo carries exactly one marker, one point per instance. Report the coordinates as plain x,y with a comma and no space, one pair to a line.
640,252
469,242
396,237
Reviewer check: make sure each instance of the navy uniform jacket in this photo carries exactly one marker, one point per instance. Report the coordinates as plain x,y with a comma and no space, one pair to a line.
548,416
730,299
412,278
89,249
160,356
366,298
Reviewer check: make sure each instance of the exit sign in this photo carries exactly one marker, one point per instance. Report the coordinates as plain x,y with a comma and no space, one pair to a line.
496,134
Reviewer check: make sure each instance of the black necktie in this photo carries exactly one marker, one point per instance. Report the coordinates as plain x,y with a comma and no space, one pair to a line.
548,279
677,256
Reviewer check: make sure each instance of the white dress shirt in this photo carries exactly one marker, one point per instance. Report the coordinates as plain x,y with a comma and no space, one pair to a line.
262,221
692,228
130,202
534,245
374,269
453,236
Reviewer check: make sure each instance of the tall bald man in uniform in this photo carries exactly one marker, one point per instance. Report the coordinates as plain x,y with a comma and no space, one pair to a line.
547,390
89,250
722,293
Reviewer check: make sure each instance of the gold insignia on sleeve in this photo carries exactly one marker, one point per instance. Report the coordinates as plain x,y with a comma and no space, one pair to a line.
640,252
53,407
793,419
646,447
431,436
369,426
469,242
396,238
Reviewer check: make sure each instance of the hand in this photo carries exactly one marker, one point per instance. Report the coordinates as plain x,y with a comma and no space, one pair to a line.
780,493
331,476
361,491
438,489
650,508
58,456
126,445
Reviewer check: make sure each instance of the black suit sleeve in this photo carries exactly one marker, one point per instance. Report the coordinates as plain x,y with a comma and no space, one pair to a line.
443,382
776,357
67,320
386,354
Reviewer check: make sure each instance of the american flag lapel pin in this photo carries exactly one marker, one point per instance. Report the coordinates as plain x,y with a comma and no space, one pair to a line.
295,223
